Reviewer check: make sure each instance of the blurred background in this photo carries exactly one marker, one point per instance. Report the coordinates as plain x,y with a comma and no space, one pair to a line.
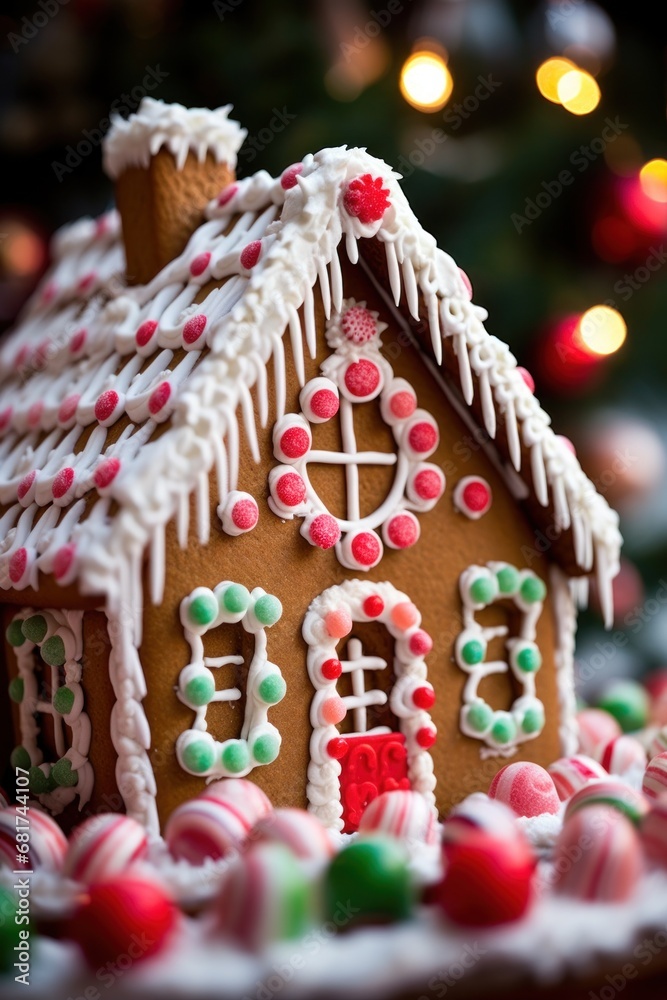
531,138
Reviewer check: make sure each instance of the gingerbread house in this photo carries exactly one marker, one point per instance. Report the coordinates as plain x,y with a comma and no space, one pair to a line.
274,502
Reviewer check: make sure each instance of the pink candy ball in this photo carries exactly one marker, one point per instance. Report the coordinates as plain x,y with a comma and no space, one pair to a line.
526,788
251,801
103,846
655,777
598,856
297,829
404,615
623,754
402,814
613,793
596,729
653,830
338,623
479,812
47,843
217,822
572,773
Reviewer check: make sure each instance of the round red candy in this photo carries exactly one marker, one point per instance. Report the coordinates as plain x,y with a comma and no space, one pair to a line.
123,916
373,606
487,880
331,669
428,484
526,788
597,856
366,199
424,697
324,404
288,178
358,325
402,404
362,378
145,332
251,254
194,328
290,489
324,531
366,549
295,442
401,531
473,497
423,437
420,643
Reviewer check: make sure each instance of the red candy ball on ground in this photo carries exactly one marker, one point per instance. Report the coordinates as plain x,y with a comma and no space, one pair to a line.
124,916
487,880
526,788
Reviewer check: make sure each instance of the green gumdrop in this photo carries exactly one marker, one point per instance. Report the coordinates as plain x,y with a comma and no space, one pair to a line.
199,756
236,756
533,720
20,758
236,598
268,609
370,875
504,730
533,589
272,689
529,659
9,929
629,703
14,633
63,700
34,628
473,652
53,651
63,775
39,782
483,590
200,689
479,716
203,609
508,579
16,689
266,748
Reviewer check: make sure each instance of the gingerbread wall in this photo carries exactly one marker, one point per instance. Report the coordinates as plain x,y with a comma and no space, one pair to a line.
276,557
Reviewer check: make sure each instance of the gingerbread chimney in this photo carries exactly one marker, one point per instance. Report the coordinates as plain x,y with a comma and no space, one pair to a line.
167,162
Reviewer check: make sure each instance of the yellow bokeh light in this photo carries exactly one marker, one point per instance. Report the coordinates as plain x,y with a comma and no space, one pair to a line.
602,330
578,92
426,83
549,75
653,179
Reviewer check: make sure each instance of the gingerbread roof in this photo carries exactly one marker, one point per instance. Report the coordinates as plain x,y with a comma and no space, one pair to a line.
90,475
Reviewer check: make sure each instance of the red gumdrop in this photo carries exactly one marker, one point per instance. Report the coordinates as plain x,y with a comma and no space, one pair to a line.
199,264
428,484
77,341
145,332
294,442
159,398
402,531
106,472
251,254
324,531
402,404
420,643
476,495
424,698
331,669
337,747
426,737
68,408
18,565
245,514
526,788
423,437
324,404
194,328
366,199
106,404
373,606
291,489
23,487
358,325
227,194
365,548
62,482
289,176
362,377
62,562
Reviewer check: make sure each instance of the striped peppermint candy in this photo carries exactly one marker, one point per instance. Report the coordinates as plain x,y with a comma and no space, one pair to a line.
402,814
655,777
103,846
297,829
623,754
598,856
613,793
47,842
217,822
653,830
572,773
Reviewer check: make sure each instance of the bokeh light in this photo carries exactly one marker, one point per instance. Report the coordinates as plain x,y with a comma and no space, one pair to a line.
549,75
653,179
578,92
426,82
22,250
602,330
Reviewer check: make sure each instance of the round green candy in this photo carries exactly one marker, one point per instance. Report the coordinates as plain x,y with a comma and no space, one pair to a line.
533,589
479,716
628,702
236,756
268,609
9,930
20,757
272,689
63,700
483,590
14,633
63,775
39,781
198,756
16,689
372,878
53,651
200,689
236,599
508,579
203,608
292,886
473,652
34,628
533,720
529,659
504,730
266,748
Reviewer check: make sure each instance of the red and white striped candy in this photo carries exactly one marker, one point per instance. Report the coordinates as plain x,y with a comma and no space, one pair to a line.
479,812
103,846
598,856
623,754
653,830
217,822
47,842
402,814
526,788
655,777
297,829
572,773
245,795
658,743
596,729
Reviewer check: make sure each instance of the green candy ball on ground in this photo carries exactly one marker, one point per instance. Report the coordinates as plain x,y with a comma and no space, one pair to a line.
272,689
198,756
236,756
200,689
372,877
266,748
236,598
533,720
533,589
479,716
63,700
529,659
53,651
203,609
268,609
16,689
34,628
508,579
63,775
629,703
9,930
504,730
483,590
20,758
14,633
473,652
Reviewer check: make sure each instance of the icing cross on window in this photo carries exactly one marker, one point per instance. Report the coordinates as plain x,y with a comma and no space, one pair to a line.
361,700
357,372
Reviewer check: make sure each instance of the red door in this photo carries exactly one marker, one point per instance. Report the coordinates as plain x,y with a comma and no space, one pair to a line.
371,763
